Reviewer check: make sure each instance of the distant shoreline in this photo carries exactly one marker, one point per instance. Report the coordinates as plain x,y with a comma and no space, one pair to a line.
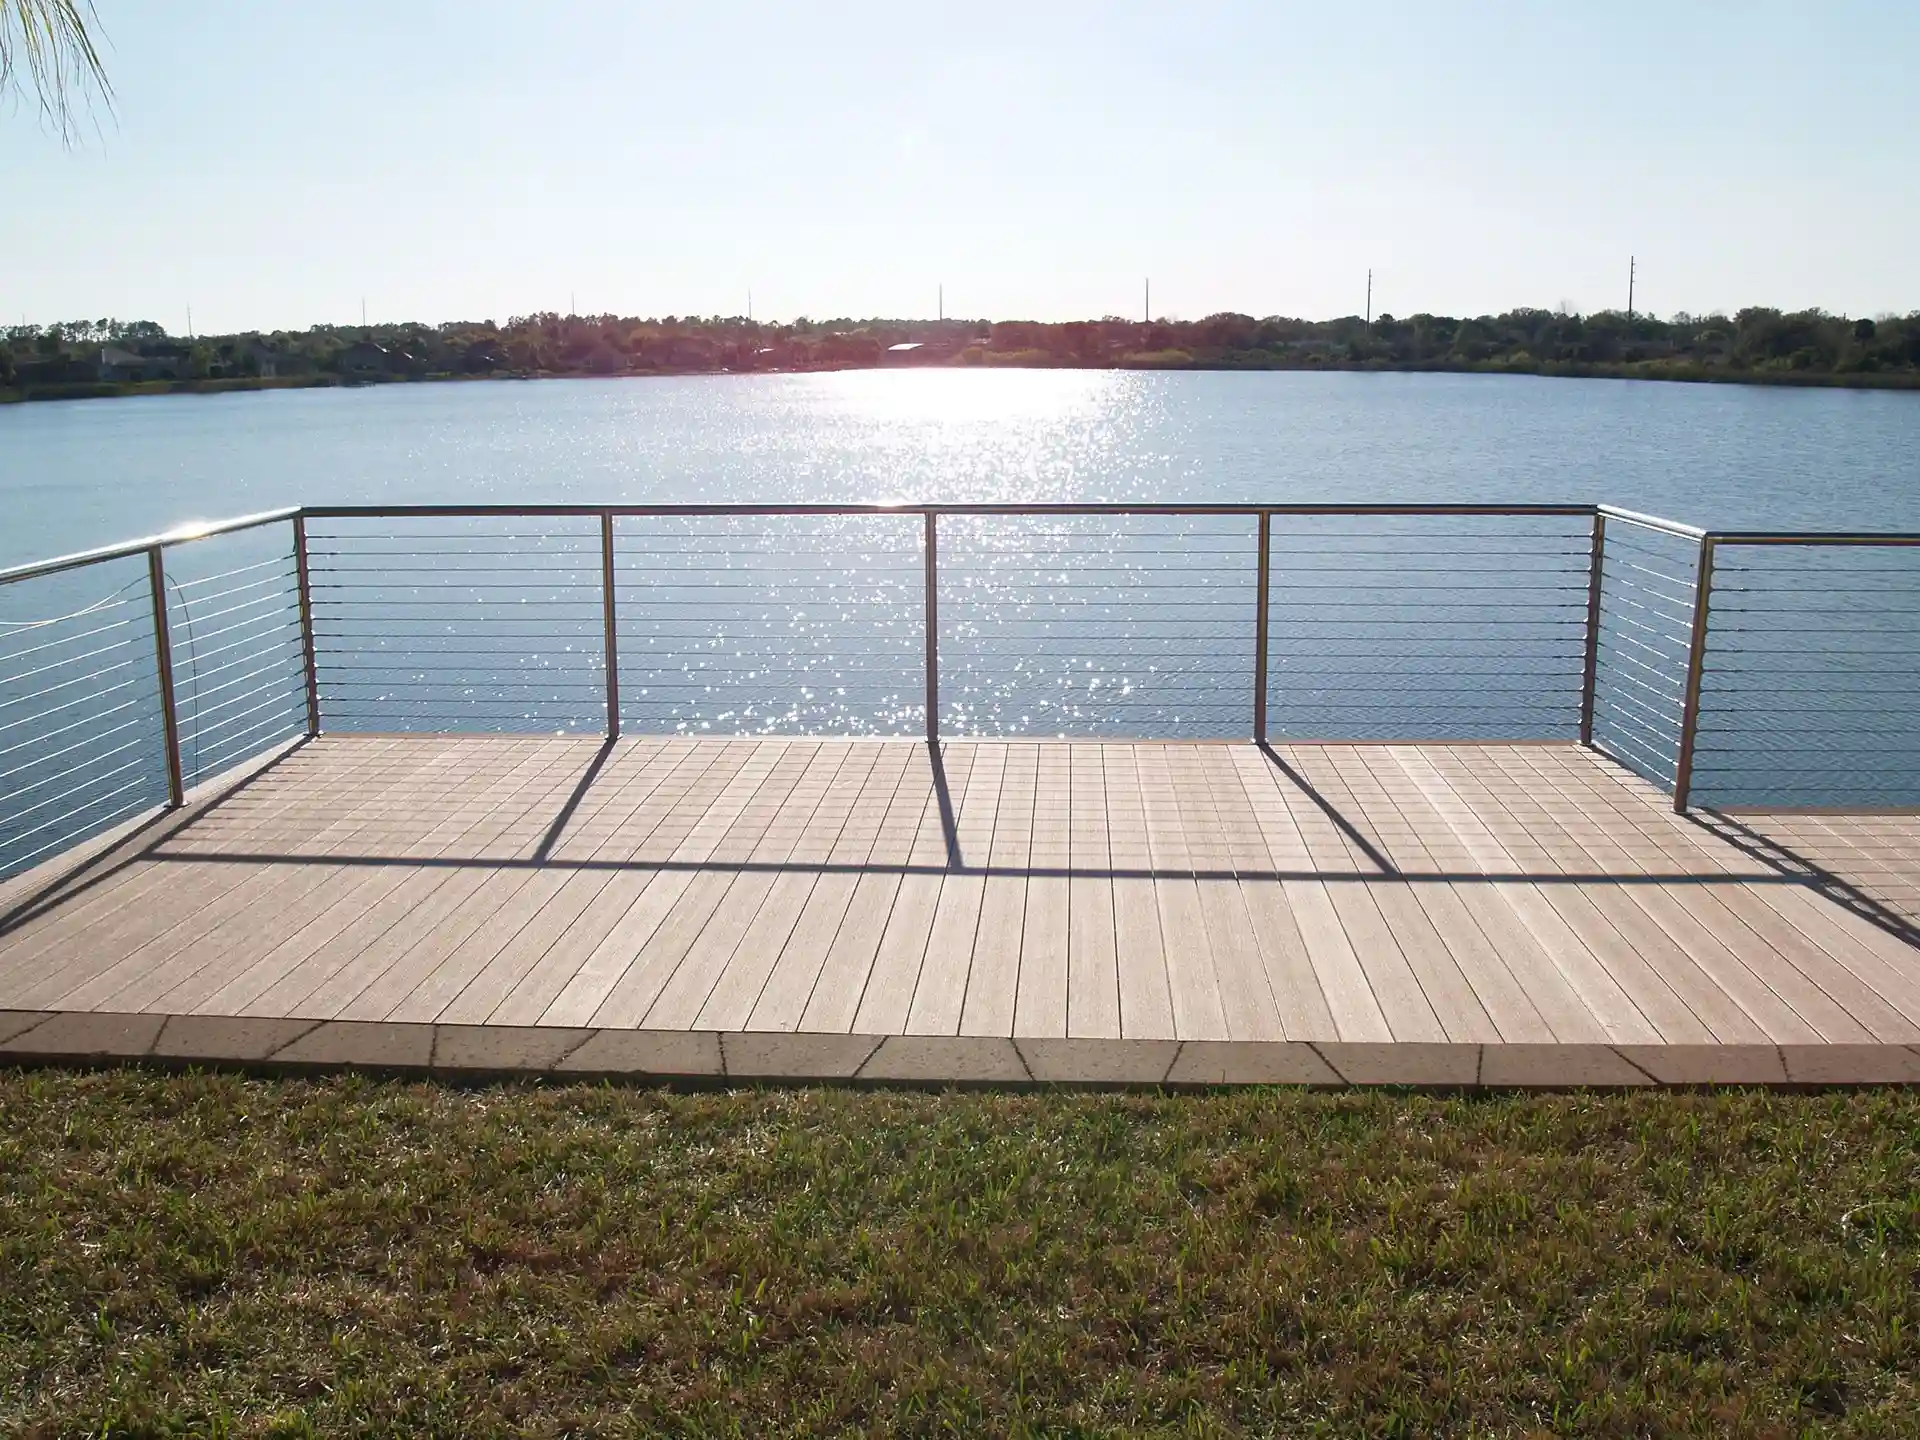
1676,373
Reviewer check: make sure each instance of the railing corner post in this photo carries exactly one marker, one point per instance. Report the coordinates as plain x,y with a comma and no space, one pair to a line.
1696,669
1590,675
308,654
610,616
932,621
1262,599
163,661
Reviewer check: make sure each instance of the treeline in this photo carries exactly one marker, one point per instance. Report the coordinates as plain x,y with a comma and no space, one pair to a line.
1756,344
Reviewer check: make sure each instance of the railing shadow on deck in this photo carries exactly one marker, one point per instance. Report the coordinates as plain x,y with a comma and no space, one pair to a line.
1791,864
160,841
140,840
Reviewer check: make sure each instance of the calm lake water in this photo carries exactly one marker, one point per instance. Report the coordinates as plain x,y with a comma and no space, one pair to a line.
1390,628
90,472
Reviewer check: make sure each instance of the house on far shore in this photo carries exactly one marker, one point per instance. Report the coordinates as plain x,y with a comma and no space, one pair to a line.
364,360
922,352
254,358
116,364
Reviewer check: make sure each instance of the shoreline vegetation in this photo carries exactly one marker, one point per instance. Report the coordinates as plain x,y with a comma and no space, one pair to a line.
101,358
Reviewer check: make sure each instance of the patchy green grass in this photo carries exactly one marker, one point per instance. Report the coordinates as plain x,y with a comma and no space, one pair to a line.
217,1254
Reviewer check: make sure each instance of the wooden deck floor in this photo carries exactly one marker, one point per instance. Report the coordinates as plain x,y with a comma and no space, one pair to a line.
1439,893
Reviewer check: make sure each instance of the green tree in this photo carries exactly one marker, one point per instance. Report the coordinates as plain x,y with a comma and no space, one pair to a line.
47,46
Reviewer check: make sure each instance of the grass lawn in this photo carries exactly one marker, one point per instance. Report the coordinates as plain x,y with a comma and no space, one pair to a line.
195,1254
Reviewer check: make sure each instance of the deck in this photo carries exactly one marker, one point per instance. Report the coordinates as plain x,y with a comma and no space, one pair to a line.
1180,912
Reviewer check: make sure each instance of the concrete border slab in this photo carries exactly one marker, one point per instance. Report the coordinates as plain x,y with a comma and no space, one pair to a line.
1850,1064
215,1038
1249,1062
1708,1064
373,1044
18,1022
1097,1062
665,1053
780,1055
580,1052
503,1049
954,1059
84,1035
1402,1062
1557,1067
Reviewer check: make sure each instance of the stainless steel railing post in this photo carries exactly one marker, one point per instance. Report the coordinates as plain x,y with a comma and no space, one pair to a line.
932,621
1696,668
1260,604
163,657
307,654
1590,675
611,618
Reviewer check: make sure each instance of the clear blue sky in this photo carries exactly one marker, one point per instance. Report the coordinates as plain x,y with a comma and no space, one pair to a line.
270,164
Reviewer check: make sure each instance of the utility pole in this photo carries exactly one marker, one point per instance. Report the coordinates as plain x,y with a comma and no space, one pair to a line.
1148,307
1369,298
1631,266
940,305
363,317
189,322
749,305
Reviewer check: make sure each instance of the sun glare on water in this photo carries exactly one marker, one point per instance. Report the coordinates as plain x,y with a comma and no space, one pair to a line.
963,397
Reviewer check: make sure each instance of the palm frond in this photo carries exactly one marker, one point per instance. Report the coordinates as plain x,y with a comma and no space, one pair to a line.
47,46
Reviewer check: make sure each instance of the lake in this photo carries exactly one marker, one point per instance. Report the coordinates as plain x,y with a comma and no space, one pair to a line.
75,474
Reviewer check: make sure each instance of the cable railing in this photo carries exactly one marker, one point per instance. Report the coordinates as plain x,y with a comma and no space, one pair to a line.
769,624
1102,624
1647,579
1731,668
457,622
77,711
1429,625
237,647
1808,672
100,719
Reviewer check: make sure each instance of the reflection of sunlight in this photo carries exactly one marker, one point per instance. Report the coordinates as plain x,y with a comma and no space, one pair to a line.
952,395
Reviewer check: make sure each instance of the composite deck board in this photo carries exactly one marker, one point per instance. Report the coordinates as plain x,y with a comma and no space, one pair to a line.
1474,994
993,973
1140,960
1093,973
231,922
1192,982
940,987
1040,1002
1719,999
1390,892
737,987
782,1001
1759,976
359,902
844,970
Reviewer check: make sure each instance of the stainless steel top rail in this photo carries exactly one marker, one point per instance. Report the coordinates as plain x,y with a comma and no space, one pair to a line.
180,535
185,534
1811,537
1652,522
404,512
